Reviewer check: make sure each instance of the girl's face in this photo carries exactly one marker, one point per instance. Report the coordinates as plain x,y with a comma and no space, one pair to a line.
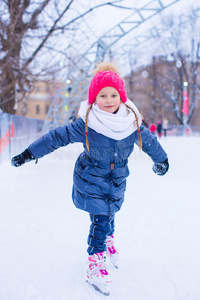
108,99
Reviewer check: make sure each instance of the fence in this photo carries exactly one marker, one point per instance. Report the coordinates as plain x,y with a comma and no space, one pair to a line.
183,131
16,133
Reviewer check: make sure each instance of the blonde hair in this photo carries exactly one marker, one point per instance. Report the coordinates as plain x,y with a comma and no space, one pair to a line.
137,124
109,66
86,127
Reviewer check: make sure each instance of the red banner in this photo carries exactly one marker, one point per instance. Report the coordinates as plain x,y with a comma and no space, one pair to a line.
5,139
185,108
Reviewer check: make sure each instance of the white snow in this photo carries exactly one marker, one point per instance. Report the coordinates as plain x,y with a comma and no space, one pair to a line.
43,236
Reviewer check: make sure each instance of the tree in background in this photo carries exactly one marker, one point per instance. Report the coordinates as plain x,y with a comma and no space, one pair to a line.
30,35
168,86
176,73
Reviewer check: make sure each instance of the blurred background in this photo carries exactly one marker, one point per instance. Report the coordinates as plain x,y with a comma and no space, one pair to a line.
49,50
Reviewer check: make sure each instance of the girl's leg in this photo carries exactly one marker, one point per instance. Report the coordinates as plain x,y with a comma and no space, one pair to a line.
112,225
97,274
101,227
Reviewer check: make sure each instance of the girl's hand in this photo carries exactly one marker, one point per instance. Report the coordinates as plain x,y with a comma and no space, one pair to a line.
161,168
21,159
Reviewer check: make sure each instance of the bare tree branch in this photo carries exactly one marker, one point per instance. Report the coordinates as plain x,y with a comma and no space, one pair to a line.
47,36
53,28
15,34
32,23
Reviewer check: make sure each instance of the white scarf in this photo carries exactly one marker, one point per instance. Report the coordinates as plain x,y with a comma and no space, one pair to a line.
115,126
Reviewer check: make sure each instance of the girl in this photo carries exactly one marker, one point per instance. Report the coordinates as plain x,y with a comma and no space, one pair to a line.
108,127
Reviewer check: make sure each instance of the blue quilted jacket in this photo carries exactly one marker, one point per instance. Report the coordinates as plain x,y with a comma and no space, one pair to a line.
100,174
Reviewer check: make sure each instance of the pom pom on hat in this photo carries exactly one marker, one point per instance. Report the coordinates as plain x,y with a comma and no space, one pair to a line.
104,79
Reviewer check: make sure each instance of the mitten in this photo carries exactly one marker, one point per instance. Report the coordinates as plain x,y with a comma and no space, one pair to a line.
21,159
161,168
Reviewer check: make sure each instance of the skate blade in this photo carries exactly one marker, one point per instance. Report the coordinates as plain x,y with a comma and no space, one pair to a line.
101,288
115,264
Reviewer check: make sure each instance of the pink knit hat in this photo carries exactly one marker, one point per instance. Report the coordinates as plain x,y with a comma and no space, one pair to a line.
103,79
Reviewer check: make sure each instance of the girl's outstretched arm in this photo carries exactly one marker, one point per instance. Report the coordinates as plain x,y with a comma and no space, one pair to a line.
54,139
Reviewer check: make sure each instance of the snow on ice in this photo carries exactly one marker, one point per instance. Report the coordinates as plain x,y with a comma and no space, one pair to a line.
43,236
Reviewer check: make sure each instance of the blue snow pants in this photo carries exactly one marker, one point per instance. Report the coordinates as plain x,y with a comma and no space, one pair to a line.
100,228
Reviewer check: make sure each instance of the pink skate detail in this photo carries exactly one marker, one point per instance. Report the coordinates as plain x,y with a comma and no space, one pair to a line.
100,255
110,245
92,260
112,250
103,272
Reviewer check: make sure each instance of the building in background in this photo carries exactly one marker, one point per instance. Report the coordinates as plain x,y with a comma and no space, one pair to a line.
36,103
153,87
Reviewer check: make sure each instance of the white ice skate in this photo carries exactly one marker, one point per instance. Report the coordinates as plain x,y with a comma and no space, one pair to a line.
97,275
112,252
